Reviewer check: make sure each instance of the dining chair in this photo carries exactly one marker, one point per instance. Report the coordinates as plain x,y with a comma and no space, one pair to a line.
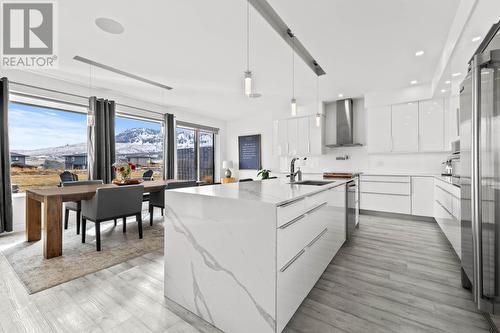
75,205
157,199
110,203
148,175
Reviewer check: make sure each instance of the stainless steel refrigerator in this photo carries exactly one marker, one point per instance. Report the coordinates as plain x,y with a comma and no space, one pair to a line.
480,174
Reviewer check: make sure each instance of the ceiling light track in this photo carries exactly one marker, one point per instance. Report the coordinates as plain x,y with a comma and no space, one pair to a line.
277,23
120,72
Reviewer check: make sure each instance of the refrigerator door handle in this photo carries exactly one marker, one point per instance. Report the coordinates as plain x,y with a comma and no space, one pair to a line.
476,195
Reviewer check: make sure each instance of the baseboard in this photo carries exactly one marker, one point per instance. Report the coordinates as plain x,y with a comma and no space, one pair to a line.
397,215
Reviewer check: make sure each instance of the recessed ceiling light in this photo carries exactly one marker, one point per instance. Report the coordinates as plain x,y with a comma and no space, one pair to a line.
448,82
456,74
476,39
341,95
413,82
443,90
109,25
419,53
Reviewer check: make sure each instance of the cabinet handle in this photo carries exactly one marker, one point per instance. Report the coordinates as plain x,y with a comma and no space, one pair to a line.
292,202
291,261
317,238
446,209
312,210
295,220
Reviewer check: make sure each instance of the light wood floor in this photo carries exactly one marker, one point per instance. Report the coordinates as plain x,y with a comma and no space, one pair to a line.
394,276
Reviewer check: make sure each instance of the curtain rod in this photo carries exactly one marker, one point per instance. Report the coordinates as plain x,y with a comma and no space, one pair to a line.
70,94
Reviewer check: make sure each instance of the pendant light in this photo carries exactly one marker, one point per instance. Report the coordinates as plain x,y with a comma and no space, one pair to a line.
248,73
293,104
320,106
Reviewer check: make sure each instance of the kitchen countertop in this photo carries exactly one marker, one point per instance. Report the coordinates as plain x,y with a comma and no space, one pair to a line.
273,191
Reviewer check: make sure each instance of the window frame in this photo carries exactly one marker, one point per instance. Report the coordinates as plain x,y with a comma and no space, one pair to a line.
151,120
197,132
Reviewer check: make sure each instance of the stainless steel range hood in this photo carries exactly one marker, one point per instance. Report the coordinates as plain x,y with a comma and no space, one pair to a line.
344,125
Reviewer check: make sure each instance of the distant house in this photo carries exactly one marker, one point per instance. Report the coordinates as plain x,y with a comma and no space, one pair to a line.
75,161
138,159
16,158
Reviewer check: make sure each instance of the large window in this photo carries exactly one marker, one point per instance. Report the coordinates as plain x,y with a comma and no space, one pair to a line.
195,154
140,141
43,143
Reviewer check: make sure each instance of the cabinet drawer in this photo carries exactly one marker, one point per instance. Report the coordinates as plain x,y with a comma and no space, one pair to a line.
290,211
299,276
385,188
386,203
447,187
456,208
450,227
388,179
297,233
444,198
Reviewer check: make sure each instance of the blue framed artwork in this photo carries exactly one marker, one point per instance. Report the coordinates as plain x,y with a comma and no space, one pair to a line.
249,152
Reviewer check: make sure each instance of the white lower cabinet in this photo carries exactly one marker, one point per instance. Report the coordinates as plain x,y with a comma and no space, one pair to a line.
447,212
386,203
422,198
385,193
305,246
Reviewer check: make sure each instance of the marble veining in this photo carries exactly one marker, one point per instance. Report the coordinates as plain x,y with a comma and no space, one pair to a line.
273,191
198,295
212,263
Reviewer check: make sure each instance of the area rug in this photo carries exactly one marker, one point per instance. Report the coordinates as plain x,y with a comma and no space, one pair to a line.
38,273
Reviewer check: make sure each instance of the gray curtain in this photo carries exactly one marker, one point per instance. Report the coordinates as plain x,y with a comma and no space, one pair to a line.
169,145
5,186
101,139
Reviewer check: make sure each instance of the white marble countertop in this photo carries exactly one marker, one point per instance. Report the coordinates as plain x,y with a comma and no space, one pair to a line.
273,191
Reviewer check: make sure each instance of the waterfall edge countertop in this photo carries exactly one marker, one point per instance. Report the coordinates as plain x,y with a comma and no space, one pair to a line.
273,191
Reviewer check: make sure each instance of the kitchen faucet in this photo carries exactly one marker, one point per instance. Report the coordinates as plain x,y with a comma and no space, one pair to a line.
293,173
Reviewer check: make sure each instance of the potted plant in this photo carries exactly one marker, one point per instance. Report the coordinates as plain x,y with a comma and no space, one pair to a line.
264,173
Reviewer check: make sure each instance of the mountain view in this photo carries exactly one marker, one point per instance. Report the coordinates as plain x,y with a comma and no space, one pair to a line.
133,140
129,141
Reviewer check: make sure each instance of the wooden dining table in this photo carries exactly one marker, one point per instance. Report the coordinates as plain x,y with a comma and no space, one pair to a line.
52,199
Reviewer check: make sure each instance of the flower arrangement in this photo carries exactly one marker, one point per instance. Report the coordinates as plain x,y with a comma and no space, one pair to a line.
124,169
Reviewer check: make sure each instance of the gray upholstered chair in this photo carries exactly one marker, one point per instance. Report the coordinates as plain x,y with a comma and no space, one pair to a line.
75,205
110,203
157,199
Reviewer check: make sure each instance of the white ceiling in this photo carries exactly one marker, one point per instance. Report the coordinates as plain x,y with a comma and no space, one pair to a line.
198,47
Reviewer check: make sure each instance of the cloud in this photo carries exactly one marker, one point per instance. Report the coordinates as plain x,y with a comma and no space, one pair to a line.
33,130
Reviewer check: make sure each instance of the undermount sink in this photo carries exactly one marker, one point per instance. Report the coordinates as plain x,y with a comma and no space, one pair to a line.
314,182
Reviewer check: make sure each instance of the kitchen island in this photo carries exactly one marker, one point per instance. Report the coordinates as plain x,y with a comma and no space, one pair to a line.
244,256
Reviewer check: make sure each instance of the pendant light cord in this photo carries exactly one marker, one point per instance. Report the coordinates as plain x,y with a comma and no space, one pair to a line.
248,35
293,66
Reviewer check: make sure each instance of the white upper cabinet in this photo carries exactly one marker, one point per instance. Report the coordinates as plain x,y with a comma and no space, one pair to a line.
405,127
452,121
379,129
431,125
293,140
298,137
303,136
280,137
316,136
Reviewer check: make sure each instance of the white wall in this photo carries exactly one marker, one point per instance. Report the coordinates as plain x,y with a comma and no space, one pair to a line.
359,158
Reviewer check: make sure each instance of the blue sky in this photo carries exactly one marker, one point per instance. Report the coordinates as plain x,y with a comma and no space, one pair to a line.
33,127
